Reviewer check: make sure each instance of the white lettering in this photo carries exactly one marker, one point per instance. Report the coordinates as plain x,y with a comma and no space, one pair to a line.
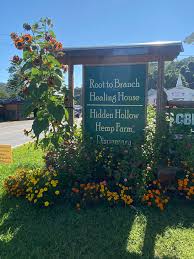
179,119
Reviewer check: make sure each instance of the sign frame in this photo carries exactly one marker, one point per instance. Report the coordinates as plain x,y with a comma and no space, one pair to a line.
181,125
114,64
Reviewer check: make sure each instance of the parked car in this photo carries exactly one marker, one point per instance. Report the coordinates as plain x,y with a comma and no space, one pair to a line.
77,111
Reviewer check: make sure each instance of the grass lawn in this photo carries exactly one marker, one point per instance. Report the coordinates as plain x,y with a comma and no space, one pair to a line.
62,232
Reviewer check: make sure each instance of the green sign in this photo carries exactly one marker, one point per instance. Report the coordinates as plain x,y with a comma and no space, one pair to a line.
114,103
182,119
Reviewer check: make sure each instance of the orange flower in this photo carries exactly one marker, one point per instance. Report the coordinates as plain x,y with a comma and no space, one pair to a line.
146,198
27,38
161,206
75,190
19,43
58,46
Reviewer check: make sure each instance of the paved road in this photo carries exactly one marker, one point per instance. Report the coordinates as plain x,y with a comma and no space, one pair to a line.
13,132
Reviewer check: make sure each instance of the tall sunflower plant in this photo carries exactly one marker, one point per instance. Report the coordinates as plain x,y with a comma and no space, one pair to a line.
39,77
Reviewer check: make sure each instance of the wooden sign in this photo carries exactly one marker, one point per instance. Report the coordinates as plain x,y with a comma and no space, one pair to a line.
5,154
114,103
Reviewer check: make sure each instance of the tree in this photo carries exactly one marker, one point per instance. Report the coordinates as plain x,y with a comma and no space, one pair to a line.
5,91
189,39
185,67
77,95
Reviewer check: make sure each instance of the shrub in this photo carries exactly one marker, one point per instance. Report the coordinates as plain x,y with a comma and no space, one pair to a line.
16,184
39,186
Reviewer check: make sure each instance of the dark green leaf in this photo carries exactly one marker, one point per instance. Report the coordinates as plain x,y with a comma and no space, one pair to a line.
39,125
43,88
57,111
26,66
57,81
59,72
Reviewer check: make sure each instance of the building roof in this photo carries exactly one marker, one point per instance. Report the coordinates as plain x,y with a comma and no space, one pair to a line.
12,100
180,88
137,52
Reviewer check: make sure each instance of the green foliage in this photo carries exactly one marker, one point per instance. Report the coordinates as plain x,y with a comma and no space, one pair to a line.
38,76
77,95
189,39
172,71
5,91
170,145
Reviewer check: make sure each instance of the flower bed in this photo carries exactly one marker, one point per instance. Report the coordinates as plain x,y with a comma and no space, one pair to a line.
44,188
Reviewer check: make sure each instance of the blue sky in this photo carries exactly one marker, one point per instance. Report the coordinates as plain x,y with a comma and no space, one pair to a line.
98,22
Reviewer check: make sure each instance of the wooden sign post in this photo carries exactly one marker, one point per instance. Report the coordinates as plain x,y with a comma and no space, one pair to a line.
5,154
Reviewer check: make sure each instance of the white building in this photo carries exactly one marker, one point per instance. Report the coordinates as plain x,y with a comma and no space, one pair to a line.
180,92
177,93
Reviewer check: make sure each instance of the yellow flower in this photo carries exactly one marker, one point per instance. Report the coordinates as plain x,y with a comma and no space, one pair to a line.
39,195
35,201
57,192
46,203
34,181
45,189
54,183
